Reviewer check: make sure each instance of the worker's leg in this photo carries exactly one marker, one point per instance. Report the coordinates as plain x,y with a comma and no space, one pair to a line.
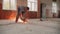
17,18
20,15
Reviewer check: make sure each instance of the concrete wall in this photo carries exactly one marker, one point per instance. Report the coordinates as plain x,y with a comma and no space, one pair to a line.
58,2
48,7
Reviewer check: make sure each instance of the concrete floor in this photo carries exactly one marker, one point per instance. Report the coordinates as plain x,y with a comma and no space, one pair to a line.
34,26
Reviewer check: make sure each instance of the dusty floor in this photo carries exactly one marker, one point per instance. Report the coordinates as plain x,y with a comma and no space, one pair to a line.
34,26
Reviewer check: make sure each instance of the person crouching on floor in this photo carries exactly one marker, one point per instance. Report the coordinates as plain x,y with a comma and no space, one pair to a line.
22,13
26,15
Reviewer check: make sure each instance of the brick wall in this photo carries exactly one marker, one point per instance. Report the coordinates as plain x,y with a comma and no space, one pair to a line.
22,2
32,14
1,1
10,14
38,13
6,14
